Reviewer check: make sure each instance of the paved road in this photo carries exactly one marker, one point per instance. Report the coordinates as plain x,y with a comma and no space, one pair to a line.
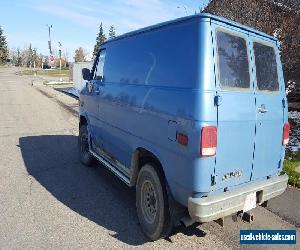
287,206
49,200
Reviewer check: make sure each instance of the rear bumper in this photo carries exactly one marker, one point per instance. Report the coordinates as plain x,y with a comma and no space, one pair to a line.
218,205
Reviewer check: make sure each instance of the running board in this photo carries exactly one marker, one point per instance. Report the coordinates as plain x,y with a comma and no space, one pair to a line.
111,167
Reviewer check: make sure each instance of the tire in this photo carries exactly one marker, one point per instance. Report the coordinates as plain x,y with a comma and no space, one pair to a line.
85,156
152,204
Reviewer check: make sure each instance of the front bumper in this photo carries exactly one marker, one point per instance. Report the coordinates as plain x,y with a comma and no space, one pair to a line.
219,205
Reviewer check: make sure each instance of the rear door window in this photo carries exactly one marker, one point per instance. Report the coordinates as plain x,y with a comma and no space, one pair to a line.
266,67
233,61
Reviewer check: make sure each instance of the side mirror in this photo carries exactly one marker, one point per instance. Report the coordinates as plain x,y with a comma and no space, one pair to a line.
86,74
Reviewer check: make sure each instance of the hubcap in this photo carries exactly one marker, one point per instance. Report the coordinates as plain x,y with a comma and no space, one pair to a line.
149,202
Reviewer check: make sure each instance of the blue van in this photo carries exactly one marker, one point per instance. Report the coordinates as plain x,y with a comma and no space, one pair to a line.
191,112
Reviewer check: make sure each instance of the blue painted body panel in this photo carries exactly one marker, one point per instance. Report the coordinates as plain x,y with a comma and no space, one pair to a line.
164,79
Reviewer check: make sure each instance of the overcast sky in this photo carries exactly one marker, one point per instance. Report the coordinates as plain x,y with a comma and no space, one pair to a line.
75,23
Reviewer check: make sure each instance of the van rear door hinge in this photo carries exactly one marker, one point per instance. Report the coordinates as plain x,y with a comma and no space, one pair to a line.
283,103
218,100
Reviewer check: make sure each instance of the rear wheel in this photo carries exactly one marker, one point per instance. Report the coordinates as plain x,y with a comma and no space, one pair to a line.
85,156
152,203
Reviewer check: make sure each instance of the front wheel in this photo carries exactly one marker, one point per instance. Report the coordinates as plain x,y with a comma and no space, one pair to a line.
152,203
84,153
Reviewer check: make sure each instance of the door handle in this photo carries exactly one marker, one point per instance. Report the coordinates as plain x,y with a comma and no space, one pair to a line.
262,109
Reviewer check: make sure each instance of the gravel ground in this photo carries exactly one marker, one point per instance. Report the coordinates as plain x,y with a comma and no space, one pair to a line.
49,200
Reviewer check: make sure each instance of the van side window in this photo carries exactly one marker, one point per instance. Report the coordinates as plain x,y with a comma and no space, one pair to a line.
98,74
155,58
233,61
266,67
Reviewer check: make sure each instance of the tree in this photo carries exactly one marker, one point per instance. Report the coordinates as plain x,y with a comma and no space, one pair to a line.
112,32
79,55
29,62
3,47
39,60
101,38
26,56
19,60
14,55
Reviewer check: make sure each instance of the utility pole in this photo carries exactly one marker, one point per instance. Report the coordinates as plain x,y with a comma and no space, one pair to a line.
51,57
34,58
59,50
49,41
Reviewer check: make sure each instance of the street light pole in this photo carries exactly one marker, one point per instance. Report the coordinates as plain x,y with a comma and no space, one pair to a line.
59,45
49,42
34,57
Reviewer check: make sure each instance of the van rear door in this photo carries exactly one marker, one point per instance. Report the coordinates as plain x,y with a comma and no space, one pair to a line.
235,106
270,100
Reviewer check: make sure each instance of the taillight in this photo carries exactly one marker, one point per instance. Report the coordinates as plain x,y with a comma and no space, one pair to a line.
208,141
182,139
286,132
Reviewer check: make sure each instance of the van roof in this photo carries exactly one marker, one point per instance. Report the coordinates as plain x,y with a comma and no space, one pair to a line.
188,18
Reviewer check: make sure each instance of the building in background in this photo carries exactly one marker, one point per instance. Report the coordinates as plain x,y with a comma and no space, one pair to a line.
76,74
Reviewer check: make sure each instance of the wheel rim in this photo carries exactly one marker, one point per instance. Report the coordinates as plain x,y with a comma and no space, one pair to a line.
149,201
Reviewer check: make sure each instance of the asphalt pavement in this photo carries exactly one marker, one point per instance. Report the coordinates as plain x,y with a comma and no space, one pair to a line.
48,199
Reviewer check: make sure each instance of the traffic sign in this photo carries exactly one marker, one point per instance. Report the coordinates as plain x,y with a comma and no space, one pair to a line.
51,58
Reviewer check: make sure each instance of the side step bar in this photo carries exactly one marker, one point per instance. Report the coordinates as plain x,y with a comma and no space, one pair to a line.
111,167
